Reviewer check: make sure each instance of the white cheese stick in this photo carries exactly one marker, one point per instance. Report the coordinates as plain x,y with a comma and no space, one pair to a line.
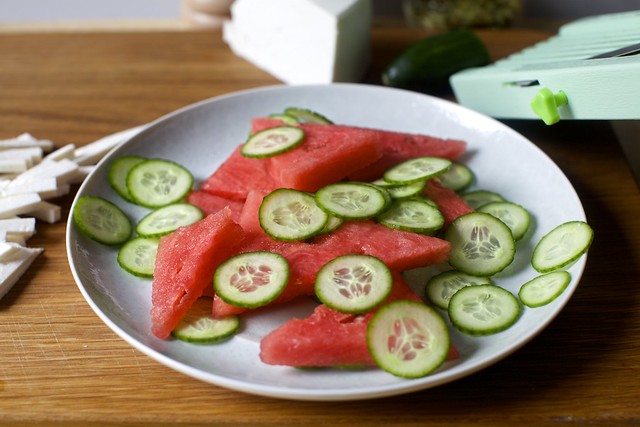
64,152
12,270
47,212
32,154
21,226
8,251
14,165
26,140
63,170
91,153
18,204
45,187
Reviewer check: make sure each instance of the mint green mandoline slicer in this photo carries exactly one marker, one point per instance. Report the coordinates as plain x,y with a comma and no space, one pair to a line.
590,70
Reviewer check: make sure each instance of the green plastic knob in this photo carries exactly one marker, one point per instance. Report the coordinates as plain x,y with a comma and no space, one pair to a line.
545,104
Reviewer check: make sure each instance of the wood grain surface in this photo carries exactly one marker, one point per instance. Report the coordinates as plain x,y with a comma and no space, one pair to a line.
60,365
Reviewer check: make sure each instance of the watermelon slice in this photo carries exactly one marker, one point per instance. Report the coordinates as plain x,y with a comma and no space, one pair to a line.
210,203
398,147
327,338
449,202
248,218
185,263
328,154
238,175
400,250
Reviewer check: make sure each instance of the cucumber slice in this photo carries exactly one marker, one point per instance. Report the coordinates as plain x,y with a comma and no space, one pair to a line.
101,220
167,219
138,256
333,223
515,216
251,279
562,246
304,115
289,215
457,178
416,169
158,182
541,290
476,199
353,283
483,309
272,141
481,244
118,171
415,215
199,326
287,119
402,191
441,287
352,200
408,339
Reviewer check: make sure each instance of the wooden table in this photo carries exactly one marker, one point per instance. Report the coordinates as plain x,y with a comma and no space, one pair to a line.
60,365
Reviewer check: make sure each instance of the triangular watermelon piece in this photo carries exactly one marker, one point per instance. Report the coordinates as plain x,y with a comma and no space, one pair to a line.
399,146
211,203
238,175
328,154
449,202
185,263
327,338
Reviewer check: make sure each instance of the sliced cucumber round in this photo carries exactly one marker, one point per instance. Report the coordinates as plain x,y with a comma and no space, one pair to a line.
398,191
138,256
515,216
415,215
352,200
408,339
290,215
543,289
478,198
416,169
457,178
199,326
158,182
333,223
118,171
101,220
167,219
483,309
441,287
353,283
251,279
287,119
481,244
305,115
272,141
562,246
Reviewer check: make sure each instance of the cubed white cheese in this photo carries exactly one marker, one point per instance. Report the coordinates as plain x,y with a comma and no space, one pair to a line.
303,41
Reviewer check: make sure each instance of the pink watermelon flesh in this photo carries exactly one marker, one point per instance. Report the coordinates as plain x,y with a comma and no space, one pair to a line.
449,202
185,263
248,218
398,147
210,203
400,250
238,175
327,338
328,154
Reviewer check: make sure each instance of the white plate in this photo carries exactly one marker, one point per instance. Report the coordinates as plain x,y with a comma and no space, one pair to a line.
202,135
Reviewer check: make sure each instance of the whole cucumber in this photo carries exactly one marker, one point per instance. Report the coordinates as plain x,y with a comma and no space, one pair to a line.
426,65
